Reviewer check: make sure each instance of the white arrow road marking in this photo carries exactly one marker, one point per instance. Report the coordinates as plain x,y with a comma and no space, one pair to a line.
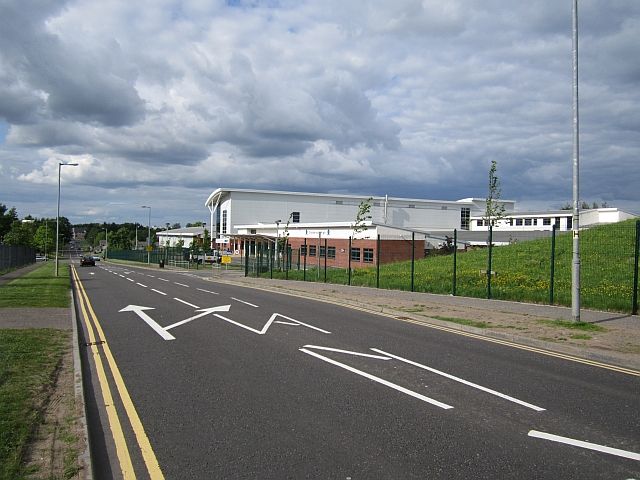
587,445
465,382
138,310
268,324
378,380
205,311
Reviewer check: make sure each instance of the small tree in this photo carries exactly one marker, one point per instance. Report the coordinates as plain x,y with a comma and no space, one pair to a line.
363,215
494,208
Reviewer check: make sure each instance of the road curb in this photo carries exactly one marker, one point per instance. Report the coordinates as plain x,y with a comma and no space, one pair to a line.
426,321
84,457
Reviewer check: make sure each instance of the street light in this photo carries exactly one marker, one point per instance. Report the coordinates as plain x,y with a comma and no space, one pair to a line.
60,164
148,236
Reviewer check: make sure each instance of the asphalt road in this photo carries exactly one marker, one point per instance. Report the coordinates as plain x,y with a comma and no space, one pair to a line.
231,382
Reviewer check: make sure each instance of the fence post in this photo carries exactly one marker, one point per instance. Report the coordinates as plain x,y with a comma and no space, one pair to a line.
455,260
349,257
378,262
246,259
413,258
634,306
287,260
271,260
489,262
326,254
553,263
304,262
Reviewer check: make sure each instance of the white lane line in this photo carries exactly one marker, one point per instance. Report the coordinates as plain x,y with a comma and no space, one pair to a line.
587,445
357,354
186,303
465,382
246,303
121,276
378,379
150,276
131,279
287,323
301,323
141,284
163,279
158,291
207,291
181,284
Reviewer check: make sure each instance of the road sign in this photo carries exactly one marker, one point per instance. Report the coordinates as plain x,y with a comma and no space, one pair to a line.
226,259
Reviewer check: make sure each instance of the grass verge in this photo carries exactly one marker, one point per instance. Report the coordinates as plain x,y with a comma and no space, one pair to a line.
29,363
38,288
462,321
587,327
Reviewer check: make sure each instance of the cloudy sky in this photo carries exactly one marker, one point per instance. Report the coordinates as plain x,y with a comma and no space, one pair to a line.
162,101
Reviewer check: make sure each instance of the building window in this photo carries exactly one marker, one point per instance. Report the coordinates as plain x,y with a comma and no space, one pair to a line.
367,255
355,254
338,202
527,222
295,217
511,222
303,250
331,252
480,223
322,251
224,221
518,222
569,223
312,250
253,231
411,205
557,222
546,221
465,213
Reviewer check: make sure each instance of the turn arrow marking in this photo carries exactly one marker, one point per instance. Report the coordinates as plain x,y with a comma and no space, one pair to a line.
163,331
139,310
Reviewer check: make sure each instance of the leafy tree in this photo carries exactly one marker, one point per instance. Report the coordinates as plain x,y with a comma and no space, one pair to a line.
120,240
20,234
44,238
494,208
7,217
363,215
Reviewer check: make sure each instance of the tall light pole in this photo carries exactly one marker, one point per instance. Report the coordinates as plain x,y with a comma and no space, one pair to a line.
148,236
60,164
575,224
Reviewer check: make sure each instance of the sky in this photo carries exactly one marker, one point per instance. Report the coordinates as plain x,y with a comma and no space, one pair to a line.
160,102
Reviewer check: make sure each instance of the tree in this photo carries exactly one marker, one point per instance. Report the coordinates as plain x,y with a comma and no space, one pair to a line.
363,215
119,240
44,238
20,234
7,217
494,208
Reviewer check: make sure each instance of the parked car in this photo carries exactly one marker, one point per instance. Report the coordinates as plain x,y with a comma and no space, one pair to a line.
87,260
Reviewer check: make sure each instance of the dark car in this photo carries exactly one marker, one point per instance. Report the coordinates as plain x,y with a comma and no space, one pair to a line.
87,260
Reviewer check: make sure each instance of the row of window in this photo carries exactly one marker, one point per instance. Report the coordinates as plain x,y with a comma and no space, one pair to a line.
528,222
366,254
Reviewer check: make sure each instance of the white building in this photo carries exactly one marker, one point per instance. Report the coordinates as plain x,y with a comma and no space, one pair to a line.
172,238
237,213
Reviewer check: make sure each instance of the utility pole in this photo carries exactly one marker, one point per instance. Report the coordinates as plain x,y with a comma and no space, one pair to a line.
575,225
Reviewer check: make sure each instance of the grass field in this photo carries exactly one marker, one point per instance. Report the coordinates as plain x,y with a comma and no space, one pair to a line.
523,271
38,288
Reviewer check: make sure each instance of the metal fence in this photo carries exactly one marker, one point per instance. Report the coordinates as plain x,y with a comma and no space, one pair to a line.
536,271
14,256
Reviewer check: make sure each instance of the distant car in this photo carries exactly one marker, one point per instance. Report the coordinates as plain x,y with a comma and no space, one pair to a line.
87,260
96,258
40,258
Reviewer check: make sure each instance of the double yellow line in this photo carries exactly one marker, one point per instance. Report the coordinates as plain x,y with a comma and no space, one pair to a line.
122,451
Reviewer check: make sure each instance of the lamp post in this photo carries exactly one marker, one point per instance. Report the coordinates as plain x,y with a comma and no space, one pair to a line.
106,241
60,164
148,235
277,238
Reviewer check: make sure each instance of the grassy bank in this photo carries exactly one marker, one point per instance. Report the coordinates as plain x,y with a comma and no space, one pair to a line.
29,362
38,288
522,271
